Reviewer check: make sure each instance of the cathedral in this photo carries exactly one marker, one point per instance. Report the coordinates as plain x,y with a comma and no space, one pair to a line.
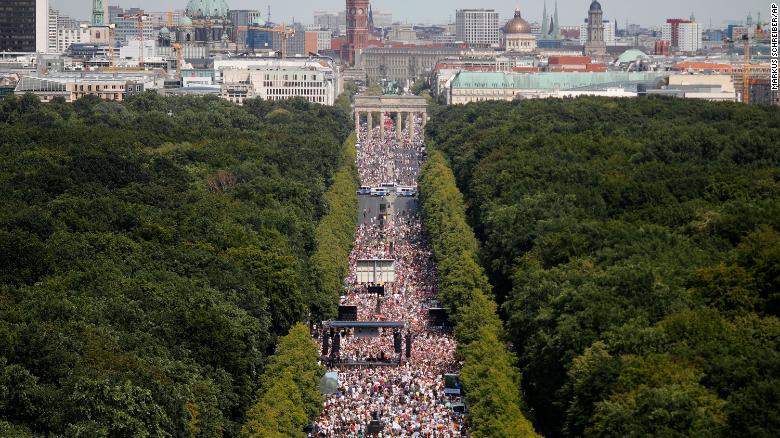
206,21
517,35
550,27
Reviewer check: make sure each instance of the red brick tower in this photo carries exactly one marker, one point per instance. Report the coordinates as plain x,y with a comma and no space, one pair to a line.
357,28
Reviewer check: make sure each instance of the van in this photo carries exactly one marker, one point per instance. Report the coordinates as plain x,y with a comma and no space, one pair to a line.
379,191
364,190
407,191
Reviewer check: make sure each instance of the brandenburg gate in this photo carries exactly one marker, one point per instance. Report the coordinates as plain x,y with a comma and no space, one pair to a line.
404,107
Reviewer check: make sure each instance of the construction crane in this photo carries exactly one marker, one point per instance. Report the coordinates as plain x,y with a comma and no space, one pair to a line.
139,23
746,70
111,44
284,34
179,59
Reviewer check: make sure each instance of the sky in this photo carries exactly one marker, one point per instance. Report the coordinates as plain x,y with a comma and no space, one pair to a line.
571,12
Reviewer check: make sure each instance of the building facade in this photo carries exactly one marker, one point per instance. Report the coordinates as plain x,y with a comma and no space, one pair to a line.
477,27
402,64
670,31
73,86
467,87
64,31
242,19
330,21
68,36
324,38
689,37
129,27
24,25
315,80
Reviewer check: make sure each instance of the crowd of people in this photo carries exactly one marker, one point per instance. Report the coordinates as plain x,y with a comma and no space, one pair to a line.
403,395
390,160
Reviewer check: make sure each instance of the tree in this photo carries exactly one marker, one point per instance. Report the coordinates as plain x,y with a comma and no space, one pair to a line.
289,389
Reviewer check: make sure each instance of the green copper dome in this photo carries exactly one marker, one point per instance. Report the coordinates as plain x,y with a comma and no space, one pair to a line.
207,8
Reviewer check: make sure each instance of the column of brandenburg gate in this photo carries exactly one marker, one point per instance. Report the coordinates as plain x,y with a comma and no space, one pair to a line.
405,108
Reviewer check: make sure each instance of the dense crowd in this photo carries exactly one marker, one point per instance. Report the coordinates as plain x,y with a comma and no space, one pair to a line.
390,160
407,397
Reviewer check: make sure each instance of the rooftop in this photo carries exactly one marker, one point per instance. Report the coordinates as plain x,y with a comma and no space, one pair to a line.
553,81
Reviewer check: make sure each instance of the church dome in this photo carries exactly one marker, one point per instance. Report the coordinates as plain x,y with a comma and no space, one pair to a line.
517,25
207,8
595,6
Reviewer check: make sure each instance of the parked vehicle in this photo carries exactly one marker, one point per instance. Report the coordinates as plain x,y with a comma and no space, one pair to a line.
379,191
406,191
364,190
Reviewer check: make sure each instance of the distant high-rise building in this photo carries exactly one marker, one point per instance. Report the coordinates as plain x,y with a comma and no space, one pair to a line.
357,29
682,35
477,27
330,21
114,11
242,19
64,31
24,25
595,44
128,28
382,19
51,32
689,37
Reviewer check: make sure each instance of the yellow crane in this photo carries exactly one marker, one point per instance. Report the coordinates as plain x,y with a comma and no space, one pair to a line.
111,44
179,59
284,34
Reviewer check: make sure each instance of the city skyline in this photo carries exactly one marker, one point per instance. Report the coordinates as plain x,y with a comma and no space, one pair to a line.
572,12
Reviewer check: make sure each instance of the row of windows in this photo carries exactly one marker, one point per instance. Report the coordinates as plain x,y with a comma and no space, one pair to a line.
315,99
286,77
292,84
289,92
100,87
107,96
512,43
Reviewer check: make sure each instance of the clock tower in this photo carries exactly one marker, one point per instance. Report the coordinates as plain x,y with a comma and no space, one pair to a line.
357,29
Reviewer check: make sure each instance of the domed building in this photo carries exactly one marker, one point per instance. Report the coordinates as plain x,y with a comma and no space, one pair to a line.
207,9
517,35
205,21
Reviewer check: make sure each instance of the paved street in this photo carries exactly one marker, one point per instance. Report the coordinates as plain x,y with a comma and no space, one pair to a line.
371,206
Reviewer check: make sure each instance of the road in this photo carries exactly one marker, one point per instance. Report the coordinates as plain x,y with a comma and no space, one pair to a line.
370,206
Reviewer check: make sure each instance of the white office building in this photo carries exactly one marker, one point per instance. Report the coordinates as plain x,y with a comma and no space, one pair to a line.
324,40
690,37
477,27
316,80
382,19
64,31
41,25
67,36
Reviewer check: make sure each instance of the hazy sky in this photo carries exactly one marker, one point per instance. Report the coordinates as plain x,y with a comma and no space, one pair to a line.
646,12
